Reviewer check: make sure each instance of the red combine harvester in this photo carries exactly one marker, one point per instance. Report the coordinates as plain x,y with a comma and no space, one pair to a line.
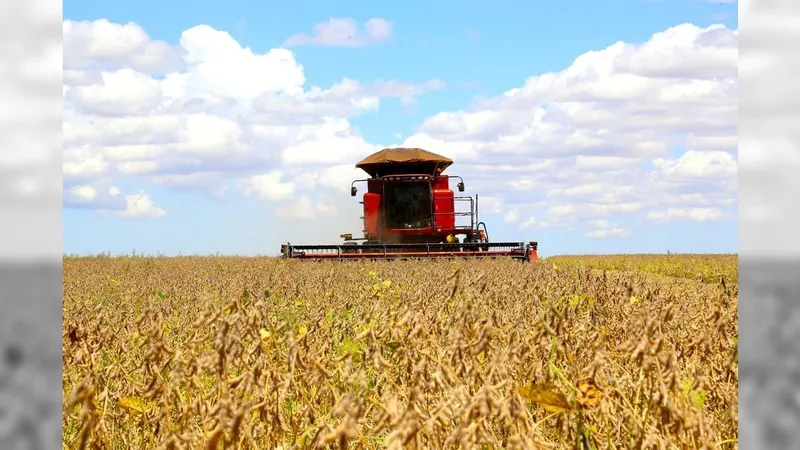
410,212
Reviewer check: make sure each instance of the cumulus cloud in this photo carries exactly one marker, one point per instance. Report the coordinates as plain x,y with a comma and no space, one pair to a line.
120,93
511,217
596,109
637,130
344,99
604,229
694,214
679,52
532,221
698,165
621,128
111,201
608,233
109,45
139,206
344,32
197,114
303,208
268,186
94,196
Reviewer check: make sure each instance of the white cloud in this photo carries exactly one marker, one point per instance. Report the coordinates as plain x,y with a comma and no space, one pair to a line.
115,45
694,164
378,29
332,142
140,206
601,223
596,109
208,135
205,181
344,32
604,229
94,196
268,187
525,184
111,201
694,214
573,211
592,190
224,110
594,162
137,167
531,222
303,208
512,216
88,133
629,130
120,93
85,193
84,164
488,204
344,99
605,127
682,52
608,233
336,178
218,65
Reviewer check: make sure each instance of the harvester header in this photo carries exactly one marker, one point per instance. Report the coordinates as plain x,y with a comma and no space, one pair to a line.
410,211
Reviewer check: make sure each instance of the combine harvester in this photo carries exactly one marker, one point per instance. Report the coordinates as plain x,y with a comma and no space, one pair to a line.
410,212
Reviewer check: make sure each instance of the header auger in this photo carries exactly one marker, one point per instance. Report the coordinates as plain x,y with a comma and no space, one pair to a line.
410,212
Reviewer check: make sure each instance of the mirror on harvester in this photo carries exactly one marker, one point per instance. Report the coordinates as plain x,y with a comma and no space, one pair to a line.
461,187
353,191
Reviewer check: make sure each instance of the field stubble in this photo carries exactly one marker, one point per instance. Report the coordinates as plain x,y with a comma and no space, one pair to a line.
260,353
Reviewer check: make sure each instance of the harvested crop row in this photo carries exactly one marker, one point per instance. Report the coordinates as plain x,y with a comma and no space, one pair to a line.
261,353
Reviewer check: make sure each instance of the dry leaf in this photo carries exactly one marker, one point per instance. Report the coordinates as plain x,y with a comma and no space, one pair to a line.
546,395
134,404
588,394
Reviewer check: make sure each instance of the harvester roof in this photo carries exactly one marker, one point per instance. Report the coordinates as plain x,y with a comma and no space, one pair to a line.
402,158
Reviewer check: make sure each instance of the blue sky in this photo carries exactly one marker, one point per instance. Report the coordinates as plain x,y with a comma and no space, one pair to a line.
676,193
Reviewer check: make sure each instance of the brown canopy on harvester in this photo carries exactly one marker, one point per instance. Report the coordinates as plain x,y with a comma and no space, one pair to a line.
408,157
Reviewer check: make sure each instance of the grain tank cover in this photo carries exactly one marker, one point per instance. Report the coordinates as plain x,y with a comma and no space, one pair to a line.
393,161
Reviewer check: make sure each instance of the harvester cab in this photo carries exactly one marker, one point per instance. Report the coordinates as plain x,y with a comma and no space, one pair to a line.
411,211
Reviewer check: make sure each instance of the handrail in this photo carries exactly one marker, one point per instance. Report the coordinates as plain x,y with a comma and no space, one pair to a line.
471,213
